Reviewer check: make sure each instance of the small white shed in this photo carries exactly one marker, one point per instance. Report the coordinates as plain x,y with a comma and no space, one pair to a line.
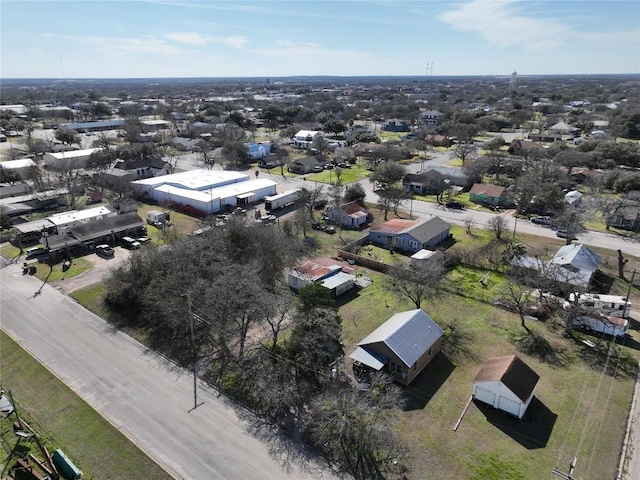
423,258
506,383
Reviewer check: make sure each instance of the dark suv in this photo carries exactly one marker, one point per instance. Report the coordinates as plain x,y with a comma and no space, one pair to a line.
546,221
455,205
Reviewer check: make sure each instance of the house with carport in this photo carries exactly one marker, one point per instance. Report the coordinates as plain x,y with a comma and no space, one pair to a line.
402,346
335,275
506,383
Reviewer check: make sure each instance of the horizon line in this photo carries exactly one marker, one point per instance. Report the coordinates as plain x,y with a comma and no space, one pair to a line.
418,76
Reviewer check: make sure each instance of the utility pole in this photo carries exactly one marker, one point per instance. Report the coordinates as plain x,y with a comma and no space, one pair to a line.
194,353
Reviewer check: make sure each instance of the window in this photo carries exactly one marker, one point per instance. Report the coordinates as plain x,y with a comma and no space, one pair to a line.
395,368
413,244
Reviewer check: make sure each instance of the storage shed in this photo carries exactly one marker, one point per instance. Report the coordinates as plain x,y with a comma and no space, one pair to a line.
506,383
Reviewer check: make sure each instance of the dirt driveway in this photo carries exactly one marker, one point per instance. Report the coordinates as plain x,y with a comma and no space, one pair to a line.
101,268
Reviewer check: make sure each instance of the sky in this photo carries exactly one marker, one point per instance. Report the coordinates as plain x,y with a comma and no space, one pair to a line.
185,38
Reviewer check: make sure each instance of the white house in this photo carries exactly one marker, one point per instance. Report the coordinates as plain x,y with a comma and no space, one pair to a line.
62,221
337,278
72,159
506,383
21,166
306,139
573,198
430,117
350,215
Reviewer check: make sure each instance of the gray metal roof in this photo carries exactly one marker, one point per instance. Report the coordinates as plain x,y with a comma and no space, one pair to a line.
370,358
408,334
337,279
578,256
429,229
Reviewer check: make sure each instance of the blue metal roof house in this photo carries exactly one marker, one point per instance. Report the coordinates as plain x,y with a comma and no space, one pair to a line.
258,150
403,345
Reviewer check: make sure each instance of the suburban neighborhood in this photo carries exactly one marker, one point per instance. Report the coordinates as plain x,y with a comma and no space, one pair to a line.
456,258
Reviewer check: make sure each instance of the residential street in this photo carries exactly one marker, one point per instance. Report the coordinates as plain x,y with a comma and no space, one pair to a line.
423,210
144,395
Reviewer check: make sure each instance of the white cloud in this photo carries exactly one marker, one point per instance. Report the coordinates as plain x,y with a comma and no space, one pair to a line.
504,23
190,38
308,51
125,45
198,40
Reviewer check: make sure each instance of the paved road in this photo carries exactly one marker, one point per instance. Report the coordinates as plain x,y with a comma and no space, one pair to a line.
147,397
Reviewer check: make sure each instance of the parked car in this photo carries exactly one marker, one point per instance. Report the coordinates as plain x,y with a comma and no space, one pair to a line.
328,166
105,250
319,203
455,205
564,234
317,168
130,243
546,221
379,186
36,251
329,229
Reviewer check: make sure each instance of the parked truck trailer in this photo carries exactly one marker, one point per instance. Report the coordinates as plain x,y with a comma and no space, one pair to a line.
281,200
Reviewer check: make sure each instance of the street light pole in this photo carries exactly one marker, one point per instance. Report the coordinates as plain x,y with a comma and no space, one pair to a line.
515,224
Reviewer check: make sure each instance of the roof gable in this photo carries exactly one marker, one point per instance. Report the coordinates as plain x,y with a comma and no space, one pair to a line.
487,190
427,230
514,374
408,334
578,256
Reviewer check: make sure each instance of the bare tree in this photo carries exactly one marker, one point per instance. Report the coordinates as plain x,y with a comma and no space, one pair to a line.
469,223
205,154
464,152
416,284
517,297
309,196
498,224
571,219
355,428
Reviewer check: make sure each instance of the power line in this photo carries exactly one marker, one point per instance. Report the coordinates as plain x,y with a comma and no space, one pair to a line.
604,410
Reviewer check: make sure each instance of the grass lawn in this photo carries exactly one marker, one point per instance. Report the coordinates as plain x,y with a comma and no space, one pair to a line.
509,449
390,136
380,254
349,175
182,224
67,422
91,298
78,266
9,251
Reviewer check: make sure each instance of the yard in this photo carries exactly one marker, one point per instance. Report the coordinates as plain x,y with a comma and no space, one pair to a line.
78,266
65,421
348,175
509,449
181,224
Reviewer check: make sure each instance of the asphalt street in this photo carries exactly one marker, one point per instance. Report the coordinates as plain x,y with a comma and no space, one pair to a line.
144,395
